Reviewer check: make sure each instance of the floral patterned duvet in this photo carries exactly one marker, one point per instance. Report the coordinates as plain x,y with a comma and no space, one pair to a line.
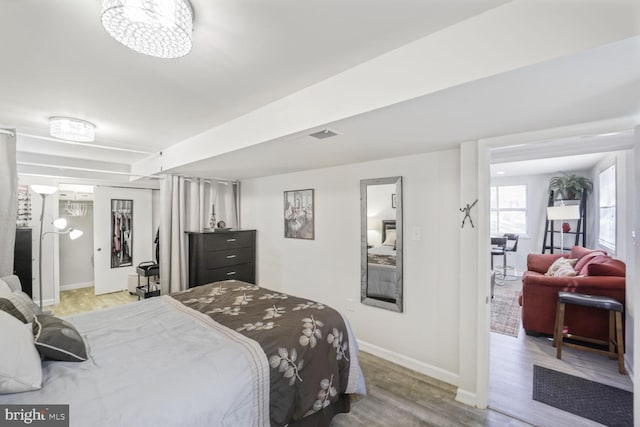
313,361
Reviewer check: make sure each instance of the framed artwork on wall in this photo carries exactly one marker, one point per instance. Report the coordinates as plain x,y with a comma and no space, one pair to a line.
121,233
299,214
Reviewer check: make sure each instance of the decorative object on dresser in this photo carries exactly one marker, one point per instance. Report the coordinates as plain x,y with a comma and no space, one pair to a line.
299,214
215,256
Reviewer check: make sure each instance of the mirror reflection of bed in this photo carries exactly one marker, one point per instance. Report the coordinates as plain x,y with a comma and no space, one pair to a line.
381,265
381,242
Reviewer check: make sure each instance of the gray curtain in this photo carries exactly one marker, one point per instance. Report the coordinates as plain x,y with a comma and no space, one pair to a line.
186,205
8,202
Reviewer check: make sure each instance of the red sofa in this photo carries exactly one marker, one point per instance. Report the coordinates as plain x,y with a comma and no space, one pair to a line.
599,274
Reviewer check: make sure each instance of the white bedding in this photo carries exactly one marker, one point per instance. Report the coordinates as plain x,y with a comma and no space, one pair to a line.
382,250
157,363
382,279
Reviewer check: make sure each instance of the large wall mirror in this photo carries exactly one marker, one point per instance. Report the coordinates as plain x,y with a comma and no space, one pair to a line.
381,242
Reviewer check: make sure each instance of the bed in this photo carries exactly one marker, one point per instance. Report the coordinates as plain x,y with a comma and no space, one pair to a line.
382,280
224,354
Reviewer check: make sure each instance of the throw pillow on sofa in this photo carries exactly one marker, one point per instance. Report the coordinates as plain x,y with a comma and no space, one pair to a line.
586,255
561,263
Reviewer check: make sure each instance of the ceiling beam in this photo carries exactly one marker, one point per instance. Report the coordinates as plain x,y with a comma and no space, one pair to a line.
500,40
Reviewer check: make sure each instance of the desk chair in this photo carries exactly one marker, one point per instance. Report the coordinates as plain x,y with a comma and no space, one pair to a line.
498,245
511,245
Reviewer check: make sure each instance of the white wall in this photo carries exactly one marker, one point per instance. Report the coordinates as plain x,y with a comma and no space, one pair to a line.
426,336
624,244
537,200
76,256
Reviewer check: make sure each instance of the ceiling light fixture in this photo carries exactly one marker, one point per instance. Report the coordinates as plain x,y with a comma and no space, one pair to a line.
160,28
71,129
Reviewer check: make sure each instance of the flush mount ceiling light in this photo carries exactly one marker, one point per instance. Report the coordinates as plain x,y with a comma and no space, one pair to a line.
160,28
71,129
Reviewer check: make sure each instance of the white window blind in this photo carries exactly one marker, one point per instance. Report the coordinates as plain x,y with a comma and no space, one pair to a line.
607,207
508,209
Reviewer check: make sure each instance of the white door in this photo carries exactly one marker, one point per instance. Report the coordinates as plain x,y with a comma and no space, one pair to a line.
110,240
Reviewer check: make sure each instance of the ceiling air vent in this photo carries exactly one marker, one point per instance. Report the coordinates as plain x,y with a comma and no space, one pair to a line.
324,134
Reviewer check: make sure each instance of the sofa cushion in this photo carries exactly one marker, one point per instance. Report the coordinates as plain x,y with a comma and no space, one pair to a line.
587,258
560,263
610,267
579,251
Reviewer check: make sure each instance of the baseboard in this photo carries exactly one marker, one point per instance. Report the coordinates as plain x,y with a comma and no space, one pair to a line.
466,397
629,368
75,286
46,302
410,363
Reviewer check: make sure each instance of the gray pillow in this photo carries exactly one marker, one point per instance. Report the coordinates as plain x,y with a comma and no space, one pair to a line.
57,339
19,302
8,307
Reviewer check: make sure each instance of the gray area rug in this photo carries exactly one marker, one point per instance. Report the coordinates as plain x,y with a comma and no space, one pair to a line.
588,399
505,311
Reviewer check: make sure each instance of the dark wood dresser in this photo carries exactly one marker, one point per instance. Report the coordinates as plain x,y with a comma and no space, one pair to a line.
222,255
23,259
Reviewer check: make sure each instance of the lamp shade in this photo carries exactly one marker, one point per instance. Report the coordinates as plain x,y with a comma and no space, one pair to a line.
563,212
74,234
44,189
60,223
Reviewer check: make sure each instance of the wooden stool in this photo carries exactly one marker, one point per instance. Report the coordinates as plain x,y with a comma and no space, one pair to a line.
615,325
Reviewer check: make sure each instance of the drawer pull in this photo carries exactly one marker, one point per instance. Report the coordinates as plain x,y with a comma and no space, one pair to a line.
231,240
231,273
231,256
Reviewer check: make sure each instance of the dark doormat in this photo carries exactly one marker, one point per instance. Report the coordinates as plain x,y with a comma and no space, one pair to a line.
598,402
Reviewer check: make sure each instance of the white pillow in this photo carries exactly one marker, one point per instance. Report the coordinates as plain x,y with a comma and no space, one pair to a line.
391,238
20,365
13,281
561,263
4,288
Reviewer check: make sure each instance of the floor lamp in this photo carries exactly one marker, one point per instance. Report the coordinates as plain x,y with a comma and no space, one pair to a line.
563,213
60,224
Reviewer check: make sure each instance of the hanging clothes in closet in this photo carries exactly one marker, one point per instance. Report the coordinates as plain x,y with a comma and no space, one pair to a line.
122,233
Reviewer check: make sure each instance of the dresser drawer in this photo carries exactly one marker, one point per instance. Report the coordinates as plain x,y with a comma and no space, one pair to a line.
244,272
216,259
228,240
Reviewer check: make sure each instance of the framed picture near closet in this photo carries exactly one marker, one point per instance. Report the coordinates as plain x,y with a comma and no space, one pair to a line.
121,233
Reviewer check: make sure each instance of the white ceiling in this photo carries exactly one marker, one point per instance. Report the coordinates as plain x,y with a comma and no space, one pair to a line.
246,54
250,53
555,165
592,85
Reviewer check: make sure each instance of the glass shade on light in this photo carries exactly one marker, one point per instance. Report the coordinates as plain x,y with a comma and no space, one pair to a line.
44,189
71,129
74,234
160,28
60,223
557,213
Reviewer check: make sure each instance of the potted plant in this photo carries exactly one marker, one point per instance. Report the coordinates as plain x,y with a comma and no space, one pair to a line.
570,186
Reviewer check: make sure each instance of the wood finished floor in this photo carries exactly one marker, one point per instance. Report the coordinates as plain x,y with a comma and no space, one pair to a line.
84,299
396,396
511,375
